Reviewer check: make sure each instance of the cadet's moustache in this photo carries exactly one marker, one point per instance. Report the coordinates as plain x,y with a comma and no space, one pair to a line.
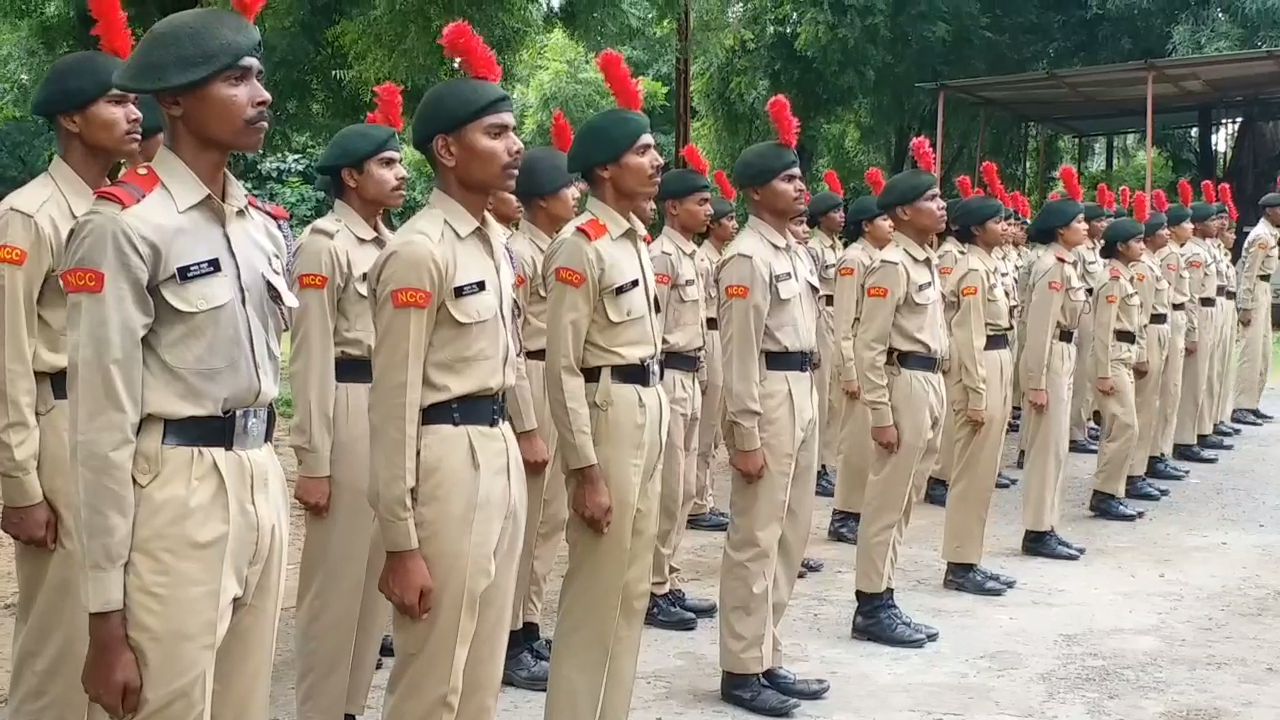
262,117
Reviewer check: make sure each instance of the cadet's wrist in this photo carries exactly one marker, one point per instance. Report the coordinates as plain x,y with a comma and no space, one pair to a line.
399,535
312,464
881,417
105,590
745,438
577,458
21,490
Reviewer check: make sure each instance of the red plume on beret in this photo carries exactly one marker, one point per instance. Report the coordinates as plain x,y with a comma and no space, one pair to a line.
991,178
727,191
694,160
832,179
785,122
922,152
561,132
964,184
1022,204
1126,195
111,26
1055,195
1100,195
1208,192
875,180
1224,192
1070,178
464,45
389,99
617,75
1141,208
1160,200
1185,194
249,8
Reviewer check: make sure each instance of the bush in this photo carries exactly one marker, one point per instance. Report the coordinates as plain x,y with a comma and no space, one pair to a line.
26,147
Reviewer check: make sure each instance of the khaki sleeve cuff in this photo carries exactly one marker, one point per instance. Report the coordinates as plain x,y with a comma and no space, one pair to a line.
312,464
577,458
977,400
881,417
1034,382
105,590
21,490
747,439
399,535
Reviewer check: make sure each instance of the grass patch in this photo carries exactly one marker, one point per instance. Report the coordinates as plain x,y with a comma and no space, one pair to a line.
284,403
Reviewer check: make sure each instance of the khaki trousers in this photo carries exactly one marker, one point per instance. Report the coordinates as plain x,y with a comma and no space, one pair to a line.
548,511
978,450
1195,373
830,404
855,456
606,587
1230,362
341,614
1170,386
1217,368
1082,394
1046,432
50,626
679,461
1015,343
204,578
943,466
769,526
1255,351
711,432
897,480
1119,431
1148,398
469,510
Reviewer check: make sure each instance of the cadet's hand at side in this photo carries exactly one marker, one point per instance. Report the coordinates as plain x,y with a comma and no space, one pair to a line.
976,416
533,451
851,388
1140,370
407,583
1191,347
748,463
591,500
111,677
886,437
312,493
1246,317
1106,386
34,525
1039,399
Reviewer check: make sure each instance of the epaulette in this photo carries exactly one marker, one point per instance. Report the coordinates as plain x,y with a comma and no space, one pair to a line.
593,229
29,198
1061,258
275,211
327,227
131,188
1116,274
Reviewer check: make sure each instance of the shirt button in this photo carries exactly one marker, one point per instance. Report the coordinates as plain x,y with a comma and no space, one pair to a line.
144,468
201,304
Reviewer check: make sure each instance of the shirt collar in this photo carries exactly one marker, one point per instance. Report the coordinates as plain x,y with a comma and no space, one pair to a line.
617,225
987,259
538,237
685,244
77,193
1117,263
762,227
187,189
352,219
912,248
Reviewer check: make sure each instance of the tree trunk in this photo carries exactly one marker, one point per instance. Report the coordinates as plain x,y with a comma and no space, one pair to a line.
684,76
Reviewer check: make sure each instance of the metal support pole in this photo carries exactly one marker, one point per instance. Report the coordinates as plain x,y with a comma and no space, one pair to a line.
1151,129
982,139
937,142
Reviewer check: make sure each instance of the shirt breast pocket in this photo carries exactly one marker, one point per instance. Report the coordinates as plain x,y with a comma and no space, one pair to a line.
625,301
471,305
923,292
786,290
191,326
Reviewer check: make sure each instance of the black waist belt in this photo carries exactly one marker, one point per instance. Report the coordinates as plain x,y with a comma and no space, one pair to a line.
915,361
1179,307
1265,278
58,381
680,361
1066,336
1208,302
713,324
997,342
1231,294
484,410
536,355
1126,337
240,430
788,361
644,374
1222,292
353,370
829,300
1158,319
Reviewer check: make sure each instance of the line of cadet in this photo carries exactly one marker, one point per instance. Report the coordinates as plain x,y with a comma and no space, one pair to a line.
571,377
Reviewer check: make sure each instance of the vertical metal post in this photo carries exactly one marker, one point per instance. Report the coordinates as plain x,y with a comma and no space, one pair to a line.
942,112
982,141
1151,128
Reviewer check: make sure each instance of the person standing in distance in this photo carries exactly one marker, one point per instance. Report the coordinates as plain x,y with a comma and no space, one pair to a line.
949,253
826,217
1258,261
1192,435
1170,264
1093,269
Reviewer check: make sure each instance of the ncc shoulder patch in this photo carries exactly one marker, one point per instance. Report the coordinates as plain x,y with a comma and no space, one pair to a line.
410,298
1055,286
946,270
313,281
848,272
1195,264
275,211
83,280
877,291
593,229
737,292
569,276
12,255
1172,267
969,291
1112,299
662,278
131,188
1142,277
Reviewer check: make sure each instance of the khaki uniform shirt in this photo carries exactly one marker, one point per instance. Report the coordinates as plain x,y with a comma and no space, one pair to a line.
902,310
443,311
1258,258
1057,300
1155,291
530,247
828,249
35,221
851,275
768,303
1202,282
681,296
176,308
1118,308
708,259
602,294
980,307
334,320
1092,267
1171,263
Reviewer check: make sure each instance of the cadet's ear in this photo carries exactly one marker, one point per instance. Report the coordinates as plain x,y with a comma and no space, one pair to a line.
350,176
445,150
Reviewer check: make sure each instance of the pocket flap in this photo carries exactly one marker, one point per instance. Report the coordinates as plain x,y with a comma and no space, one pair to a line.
624,301
197,296
473,308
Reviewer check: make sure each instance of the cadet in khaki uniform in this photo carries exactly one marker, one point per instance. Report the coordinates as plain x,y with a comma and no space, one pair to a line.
96,126
1226,378
950,252
341,614
768,322
177,302
603,374
1093,269
1056,300
704,515
1181,318
1119,335
549,196
826,217
1257,262
1191,436
685,194
981,379
868,230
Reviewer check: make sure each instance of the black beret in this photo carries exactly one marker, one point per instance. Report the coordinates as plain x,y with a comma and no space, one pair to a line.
454,104
1269,200
187,48
1122,231
1094,211
952,204
74,82
864,209
354,144
1220,209
605,138
1120,213
1202,212
906,188
1156,222
823,203
720,209
1055,215
152,116
681,183
544,171
762,163
976,211
1178,214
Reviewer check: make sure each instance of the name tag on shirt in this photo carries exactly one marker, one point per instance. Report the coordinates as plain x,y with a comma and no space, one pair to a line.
782,277
469,289
197,270
689,282
925,285
626,286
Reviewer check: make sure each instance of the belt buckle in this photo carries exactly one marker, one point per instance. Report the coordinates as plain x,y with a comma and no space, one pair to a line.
499,410
250,428
653,371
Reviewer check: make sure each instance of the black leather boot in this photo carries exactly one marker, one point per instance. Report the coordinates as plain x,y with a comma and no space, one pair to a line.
387,649
1004,580
707,522
876,621
1022,459
929,632
786,682
1158,469
966,578
750,693
826,485
523,668
1193,453
1110,507
935,492
843,527
1223,430
700,607
665,614
1261,415
1046,545
1074,546
1245,417
1137,488
1083,447
1213,442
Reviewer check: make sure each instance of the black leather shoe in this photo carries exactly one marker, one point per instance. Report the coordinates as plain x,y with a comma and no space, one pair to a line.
1180,468
1223,430
1213,442
1261,415
929,632
1014,425
525,670
1045,545
1110,507
542,649
936,492
387,649
1015,412
813,565
875,621
1083,447
843,527
1022,459
1164,491
1193,453
1158,469
826,486
664,614
1002,482
750,693
700,607
1235,428
1136,488
1094,433
707,522
348,716
1063,541
1245,417
1004,580
967,579
786,682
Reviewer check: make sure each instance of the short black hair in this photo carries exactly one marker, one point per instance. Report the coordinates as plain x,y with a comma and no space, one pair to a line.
965,234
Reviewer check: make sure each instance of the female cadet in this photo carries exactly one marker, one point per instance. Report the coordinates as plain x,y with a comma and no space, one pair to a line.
981,378
1057,299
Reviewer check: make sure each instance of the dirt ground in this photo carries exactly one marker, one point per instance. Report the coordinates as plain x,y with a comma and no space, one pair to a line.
1175,617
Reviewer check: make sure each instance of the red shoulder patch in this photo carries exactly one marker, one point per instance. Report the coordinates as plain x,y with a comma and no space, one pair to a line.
593,229
945,270
313,281
662,278
1062,258
1116,274
648,239
132,187
275,211
83,280
13,255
